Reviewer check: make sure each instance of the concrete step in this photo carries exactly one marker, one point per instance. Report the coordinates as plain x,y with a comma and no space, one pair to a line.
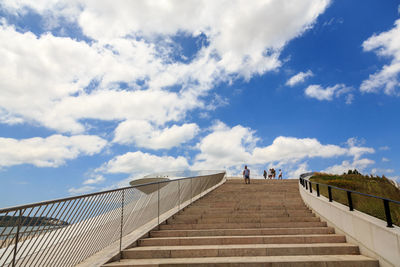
241,232
241,250
241,225
234,219
197,209
246,215
270,261
224,240
265,223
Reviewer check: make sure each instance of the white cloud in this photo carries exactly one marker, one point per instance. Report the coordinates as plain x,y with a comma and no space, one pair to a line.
294,149
378,171
300,169
143,134
360,165
231,148
299,78
81,190
384,148
225,147
52,151
96,179
349,99
328,93
139,162
385,159
386,44
44,78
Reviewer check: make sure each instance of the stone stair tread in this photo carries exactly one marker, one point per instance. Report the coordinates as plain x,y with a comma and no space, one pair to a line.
244,236
267,224
240,230
337,260
228,246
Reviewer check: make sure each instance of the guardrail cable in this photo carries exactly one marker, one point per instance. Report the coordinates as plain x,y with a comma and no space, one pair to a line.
64,232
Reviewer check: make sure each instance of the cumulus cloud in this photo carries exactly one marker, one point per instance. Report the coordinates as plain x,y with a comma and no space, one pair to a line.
81,190
51,151
45,79
318,92
58,81
143,134
360,165
96,179
139,162
231,148
293,149
299,78
225,147
379,171
300,169
386,44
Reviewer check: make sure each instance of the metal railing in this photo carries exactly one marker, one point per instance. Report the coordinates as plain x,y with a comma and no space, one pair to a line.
64,232
379,207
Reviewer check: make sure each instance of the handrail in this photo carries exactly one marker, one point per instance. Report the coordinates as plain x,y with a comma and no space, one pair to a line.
307,184
7,209
64,232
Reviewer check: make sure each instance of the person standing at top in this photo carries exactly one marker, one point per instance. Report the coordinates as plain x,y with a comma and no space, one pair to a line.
265,174
273,173
280,174
246,175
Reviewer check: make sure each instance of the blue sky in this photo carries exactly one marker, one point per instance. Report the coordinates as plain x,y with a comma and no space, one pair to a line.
93,94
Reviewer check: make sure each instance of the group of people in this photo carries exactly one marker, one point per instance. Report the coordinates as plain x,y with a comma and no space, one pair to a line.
271,174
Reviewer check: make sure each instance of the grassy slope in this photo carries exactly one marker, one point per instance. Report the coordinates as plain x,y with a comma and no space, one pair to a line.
376,186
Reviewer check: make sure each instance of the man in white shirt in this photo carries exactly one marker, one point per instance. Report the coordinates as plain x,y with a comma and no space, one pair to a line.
246,175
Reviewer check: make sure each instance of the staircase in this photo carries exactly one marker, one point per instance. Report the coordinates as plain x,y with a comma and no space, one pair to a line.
264,223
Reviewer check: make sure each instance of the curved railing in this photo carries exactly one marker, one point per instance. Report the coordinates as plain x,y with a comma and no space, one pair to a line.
64,232
382,208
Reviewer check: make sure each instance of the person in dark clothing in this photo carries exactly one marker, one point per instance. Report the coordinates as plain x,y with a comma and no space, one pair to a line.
246,175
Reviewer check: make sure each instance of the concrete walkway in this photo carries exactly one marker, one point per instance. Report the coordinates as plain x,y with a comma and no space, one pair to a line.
262,224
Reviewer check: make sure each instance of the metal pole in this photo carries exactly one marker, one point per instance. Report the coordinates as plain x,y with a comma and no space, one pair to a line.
16,239
306,185
191,190
158,204
330,193
387,213
179,194
122,224
310,187
317,190
350,200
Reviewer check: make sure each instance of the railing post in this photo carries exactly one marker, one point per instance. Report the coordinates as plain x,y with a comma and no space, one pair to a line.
306,185
179,195
310,186
387,213
122,224
317,190
158,204
191,190
330,193
16,239
350,200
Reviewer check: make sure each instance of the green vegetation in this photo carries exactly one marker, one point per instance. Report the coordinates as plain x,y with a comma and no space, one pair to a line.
368,184
6,221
